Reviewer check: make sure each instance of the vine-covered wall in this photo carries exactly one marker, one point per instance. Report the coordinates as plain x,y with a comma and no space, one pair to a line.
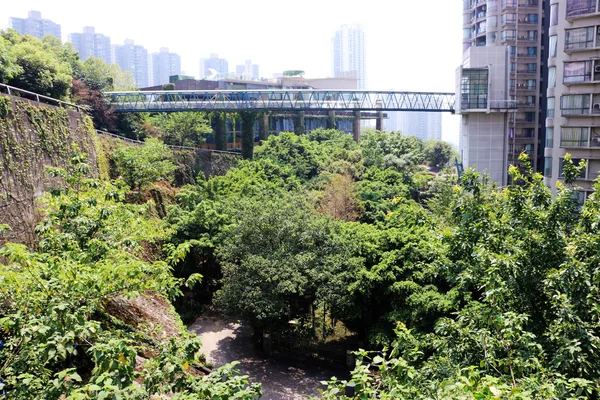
34,136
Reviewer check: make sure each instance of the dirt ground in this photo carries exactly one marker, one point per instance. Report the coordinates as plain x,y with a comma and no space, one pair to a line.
223,342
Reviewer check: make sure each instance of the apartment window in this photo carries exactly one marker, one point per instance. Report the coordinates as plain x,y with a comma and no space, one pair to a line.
549,138
532,36
531,68
509,34
512,50
575,104
474,88
552,44
548,167
551,77
466,33
513,67
530,117
579,71
574,137
580,7
511,84
532,51
509,18
580,38
550,107
531,83
553,14
530,101
532,18
595,139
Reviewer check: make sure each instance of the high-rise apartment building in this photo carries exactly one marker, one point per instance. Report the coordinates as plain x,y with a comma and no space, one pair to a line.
573,94
35,25
164,65
247,71
133,58
424,125
213,67
349,54
501,84
91,44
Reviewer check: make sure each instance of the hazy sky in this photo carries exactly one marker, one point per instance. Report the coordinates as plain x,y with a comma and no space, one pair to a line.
412,45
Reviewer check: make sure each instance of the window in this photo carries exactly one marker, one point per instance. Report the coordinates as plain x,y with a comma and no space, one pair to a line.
548,167
532,51
532,36
580,71
511,83
575,104
509,34
474,88
466,33
574,137
580,38
549,137
551,77
512,50
531,83
530,101
552,45
580,7
513,67
532,18
553,14
532,68
550,107
509,18
595,139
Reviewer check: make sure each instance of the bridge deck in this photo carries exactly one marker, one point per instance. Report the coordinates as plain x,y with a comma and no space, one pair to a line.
279,100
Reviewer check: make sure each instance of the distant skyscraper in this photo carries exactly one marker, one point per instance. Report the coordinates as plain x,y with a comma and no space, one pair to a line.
213,67
91,44
424,125
349,54
247,71
132,58
34,25
164,64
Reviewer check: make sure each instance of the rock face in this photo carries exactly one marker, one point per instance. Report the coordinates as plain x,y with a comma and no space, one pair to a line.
34,136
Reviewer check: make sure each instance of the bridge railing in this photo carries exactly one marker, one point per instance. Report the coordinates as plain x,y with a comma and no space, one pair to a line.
139,142
13,91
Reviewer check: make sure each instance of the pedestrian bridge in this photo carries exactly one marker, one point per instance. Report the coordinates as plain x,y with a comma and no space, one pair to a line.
279,100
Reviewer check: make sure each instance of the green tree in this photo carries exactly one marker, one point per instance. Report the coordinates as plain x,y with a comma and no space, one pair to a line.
392,150
142,165
59,340
182,129
438,153
8,63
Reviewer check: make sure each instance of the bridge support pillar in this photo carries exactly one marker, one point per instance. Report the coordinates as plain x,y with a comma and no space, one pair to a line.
221,131
299,126
356,126
248,119
263,126
331,124
379,121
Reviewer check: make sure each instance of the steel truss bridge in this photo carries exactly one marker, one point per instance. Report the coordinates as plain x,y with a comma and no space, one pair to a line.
279,100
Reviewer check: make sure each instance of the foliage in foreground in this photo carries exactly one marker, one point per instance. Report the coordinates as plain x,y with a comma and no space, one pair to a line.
526,326
59,342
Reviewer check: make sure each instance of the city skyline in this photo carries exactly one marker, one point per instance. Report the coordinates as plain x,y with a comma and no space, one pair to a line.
395,35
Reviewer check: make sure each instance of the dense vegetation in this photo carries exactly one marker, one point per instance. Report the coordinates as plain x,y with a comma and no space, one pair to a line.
475,291
472,291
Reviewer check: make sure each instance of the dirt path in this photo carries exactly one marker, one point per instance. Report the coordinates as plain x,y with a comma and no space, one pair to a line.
223,342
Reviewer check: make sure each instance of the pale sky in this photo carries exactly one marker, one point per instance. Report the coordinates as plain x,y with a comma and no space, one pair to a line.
412,45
